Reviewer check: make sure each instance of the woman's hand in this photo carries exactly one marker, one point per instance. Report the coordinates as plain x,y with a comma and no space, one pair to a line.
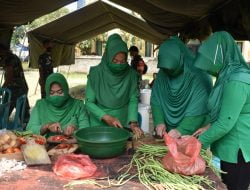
201,130
136,130
160,129
55,128
51,127
112,121
69,130
174,133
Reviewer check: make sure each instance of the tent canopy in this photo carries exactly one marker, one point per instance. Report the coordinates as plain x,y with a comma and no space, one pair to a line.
167,17
18,12
83,24
173,16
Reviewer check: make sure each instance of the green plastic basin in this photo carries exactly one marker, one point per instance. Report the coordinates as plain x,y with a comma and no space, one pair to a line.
102,142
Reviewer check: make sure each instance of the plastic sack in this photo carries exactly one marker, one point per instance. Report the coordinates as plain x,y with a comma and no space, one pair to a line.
73,166
183,156
35,154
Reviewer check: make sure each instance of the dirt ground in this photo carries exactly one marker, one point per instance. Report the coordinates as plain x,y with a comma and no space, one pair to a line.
76,81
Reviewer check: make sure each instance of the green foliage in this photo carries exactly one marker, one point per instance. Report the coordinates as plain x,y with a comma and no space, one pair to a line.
47,18
85,46
20,31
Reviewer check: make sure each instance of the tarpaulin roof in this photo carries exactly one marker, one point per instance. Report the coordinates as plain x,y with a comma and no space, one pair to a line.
95,19
173,16
18,12
83,24
168,17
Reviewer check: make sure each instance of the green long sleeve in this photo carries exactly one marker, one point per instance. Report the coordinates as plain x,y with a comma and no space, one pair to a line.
83,118
191,124
158,115
34,124
91,106
233,100
133,108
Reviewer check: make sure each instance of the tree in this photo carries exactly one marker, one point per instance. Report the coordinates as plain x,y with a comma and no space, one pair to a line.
20,31
85,46
48,18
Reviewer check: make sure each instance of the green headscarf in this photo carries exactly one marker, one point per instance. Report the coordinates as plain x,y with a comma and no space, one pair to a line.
113,83
184,94
62,109
220,55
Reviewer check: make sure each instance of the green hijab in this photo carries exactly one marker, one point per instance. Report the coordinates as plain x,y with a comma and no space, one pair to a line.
220,56
113,83
185,92
60,109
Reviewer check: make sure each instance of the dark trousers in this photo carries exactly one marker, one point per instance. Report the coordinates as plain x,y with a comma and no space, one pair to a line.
238,175
43,93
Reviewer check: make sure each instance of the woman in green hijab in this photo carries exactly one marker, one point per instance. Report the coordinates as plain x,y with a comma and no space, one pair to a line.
229,106
111,94
180,92
58,112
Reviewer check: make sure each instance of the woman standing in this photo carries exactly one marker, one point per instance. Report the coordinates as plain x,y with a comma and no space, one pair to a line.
111,94
180,91
229,105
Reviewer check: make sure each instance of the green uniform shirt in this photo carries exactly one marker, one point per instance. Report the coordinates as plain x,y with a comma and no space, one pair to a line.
62,109
187,126
231,131
125,114
79,117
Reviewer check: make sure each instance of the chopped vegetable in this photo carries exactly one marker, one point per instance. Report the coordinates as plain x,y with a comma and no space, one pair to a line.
23,133
58,138
7,165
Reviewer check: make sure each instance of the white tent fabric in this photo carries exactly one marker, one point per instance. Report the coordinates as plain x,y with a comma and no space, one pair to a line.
83,24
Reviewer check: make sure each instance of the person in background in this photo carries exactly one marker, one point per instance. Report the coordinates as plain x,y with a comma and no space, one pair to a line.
45,64
139,65
152,82
14,79
58,112
133,51
180,92
111,93
227,135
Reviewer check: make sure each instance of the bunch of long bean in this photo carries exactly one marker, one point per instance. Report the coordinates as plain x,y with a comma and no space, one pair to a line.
151,173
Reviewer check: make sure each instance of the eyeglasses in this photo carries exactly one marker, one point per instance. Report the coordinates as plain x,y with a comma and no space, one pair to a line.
57,92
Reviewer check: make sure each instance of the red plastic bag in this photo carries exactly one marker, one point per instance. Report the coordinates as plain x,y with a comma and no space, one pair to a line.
72,166
183,156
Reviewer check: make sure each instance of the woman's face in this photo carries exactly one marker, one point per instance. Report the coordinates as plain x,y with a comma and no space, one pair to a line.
56,90
119,58
140,67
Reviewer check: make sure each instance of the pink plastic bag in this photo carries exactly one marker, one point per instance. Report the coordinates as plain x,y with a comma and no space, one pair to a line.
183,156
73,166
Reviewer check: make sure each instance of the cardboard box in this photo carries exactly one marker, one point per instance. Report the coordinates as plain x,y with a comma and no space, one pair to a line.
17,156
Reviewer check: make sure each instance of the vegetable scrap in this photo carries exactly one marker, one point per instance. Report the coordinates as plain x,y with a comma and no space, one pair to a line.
7,165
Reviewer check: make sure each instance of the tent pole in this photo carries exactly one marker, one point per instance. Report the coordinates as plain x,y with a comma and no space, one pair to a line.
36,87
2,78
68,72
23,41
